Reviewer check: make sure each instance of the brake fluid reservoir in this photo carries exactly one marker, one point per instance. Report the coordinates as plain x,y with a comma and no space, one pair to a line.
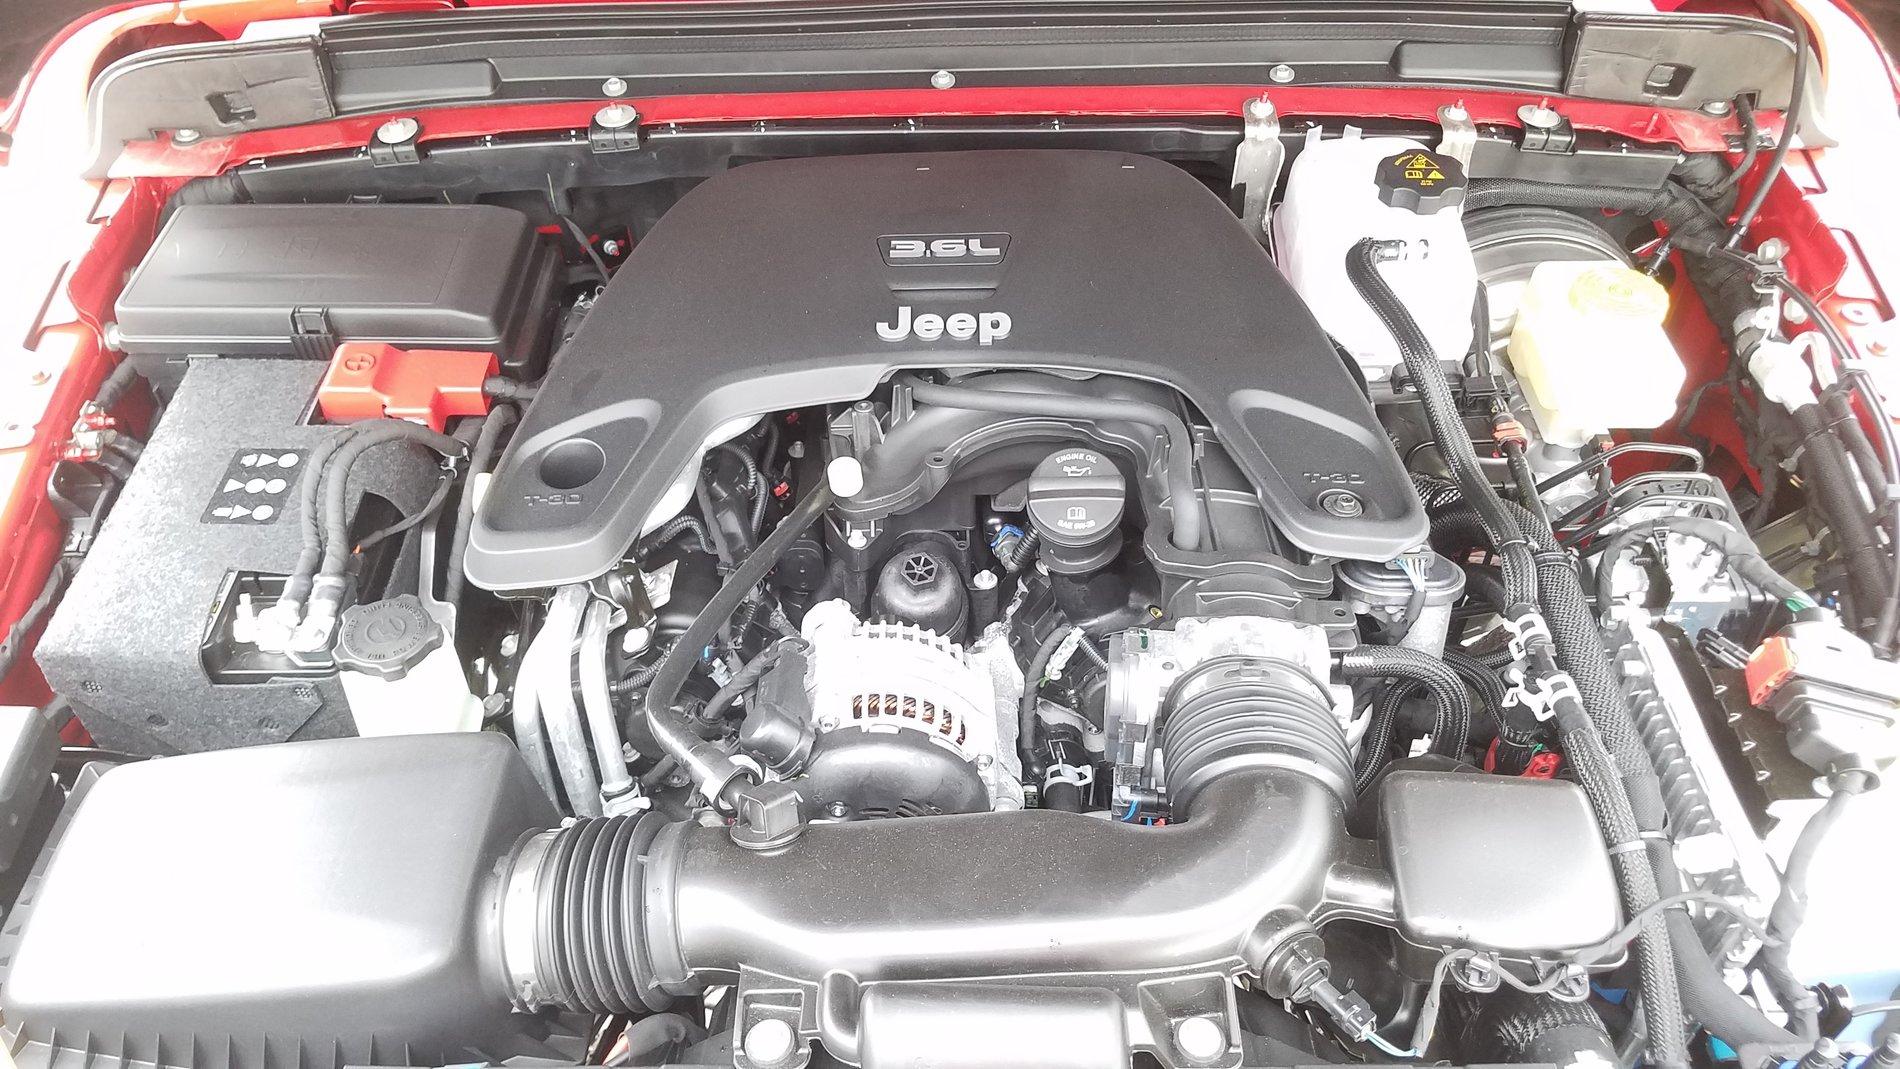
1590,353
1342,191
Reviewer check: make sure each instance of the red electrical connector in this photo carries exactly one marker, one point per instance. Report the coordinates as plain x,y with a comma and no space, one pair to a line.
368,380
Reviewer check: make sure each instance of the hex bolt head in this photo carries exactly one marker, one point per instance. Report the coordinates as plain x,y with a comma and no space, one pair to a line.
770,1042
1200,1038
943,80
1259,108
397,131
1281,73
614,87
1342,503
186,137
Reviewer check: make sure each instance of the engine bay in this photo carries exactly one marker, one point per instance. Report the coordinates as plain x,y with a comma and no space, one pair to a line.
993,607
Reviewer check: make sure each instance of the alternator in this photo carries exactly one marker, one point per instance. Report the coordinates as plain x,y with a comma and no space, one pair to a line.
907,720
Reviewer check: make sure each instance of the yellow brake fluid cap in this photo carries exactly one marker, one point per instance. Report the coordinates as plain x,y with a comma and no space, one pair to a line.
1623,292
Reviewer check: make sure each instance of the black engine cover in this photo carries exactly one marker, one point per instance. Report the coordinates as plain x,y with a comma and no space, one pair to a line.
803,282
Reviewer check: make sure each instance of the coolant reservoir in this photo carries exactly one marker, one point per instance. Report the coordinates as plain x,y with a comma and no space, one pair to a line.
1590,352
1342,191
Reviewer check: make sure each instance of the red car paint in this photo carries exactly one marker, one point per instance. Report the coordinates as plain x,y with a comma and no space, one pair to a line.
68,331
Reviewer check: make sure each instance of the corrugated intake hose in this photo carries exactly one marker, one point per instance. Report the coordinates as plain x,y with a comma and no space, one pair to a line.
1510,1027
609,915
1578,642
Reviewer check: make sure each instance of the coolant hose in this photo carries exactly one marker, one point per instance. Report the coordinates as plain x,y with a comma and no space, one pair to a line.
1189,511
1441,413
716,773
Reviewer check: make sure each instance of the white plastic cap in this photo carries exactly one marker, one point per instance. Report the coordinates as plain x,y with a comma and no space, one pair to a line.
846,477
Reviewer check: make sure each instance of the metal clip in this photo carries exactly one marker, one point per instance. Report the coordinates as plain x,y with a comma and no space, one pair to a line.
1257,163
1458,135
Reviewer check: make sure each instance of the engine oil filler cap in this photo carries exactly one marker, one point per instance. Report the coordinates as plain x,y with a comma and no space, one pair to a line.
1421,182
1076,500
386,638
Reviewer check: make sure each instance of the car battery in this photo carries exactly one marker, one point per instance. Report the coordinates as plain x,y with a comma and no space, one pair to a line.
148,643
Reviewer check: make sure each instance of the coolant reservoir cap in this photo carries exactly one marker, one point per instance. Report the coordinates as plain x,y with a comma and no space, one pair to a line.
1076,497
1619,291
386,638
1421,182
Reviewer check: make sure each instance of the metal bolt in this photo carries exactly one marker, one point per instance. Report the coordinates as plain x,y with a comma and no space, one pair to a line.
610,247
1771,251
770,1042
1794,313
614,87
1342,503
616,117
1539,117
1259,108
1280,73
1716,107
942,80
397,131
837,810
1454,113
186,137
1200,1038
508,645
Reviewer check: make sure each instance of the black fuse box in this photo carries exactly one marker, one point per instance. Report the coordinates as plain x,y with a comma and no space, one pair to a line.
292,280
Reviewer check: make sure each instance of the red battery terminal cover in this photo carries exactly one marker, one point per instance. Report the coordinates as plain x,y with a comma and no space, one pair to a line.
368,380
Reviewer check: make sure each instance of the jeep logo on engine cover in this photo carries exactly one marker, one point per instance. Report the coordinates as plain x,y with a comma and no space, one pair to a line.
985,327
972,250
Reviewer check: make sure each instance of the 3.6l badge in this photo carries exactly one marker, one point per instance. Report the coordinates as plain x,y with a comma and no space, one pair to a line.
943,250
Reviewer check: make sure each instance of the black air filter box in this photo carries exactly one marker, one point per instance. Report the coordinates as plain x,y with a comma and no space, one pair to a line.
283,907
288,280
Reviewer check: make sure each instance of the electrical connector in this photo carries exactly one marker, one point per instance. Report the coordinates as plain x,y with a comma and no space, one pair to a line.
1839,703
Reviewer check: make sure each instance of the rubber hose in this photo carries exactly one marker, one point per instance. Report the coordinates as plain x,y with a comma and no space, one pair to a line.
672,529
1824,463
1791,907
115,384
1441,412
755,484
711,768
1451,723
1027,723
480,457
1190,517
1840,415
1706,996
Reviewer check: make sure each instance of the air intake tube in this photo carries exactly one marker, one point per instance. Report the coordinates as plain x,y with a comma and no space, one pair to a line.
611,915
